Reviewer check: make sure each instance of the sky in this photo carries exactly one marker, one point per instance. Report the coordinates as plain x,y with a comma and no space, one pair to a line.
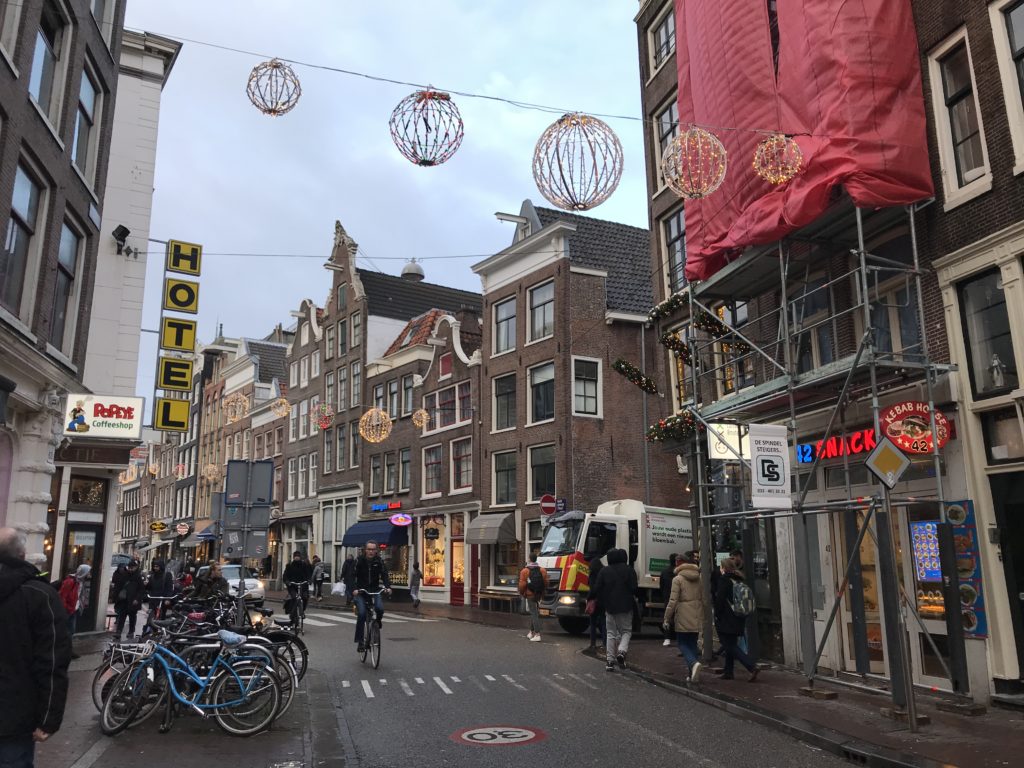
240,182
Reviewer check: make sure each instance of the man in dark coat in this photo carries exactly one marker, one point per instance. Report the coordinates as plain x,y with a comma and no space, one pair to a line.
597,617
35,651
347,572
161,584
729,626
665,585
128,592
298,572
369,575
614,589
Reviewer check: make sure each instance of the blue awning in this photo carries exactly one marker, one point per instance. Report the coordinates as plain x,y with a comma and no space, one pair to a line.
381,531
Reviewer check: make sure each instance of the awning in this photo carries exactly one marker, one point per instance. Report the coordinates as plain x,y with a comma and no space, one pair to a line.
153,546
195,539
381,531
494,528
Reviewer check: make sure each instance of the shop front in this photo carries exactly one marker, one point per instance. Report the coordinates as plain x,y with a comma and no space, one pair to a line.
392,541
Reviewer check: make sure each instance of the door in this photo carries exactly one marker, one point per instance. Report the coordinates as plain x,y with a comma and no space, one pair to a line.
1008,493
83,545
458,573
819,544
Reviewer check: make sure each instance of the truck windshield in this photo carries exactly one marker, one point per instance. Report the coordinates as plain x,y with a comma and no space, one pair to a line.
561,539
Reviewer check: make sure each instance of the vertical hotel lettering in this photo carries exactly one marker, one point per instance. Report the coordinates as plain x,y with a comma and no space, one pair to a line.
177,335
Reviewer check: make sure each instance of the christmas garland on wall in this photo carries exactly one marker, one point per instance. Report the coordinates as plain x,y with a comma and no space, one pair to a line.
668,306
674,342
635,375
678,426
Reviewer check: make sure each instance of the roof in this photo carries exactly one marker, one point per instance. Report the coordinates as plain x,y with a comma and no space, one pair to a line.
416,331
621,250
270,360
391,296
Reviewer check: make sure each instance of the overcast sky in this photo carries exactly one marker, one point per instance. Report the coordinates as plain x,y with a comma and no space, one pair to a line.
238,181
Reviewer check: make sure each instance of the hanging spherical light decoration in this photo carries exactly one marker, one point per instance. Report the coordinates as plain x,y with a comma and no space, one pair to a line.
236,407
375,426
273,87
427,128
420,418
211,472
180,471
577,162
154,469
323,415
694,163
778,159
281,407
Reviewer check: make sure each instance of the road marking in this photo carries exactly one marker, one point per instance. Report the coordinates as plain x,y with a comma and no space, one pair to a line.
441,685
94,753
315,623
420,680
383,681
406,688
477,683
366,689
517,685
558,676
580,679
414,618
591,676
340,619
455,679
345,684
497,736
490,678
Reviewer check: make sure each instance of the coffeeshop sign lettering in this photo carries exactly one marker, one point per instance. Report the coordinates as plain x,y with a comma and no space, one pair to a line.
103,416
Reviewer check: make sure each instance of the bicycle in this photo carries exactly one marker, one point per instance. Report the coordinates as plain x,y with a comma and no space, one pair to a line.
298,609
371,629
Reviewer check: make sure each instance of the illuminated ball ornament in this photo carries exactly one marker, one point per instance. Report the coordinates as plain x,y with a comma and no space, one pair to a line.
778,159
180,471
577,163
280,407
236,407
323,415
375,426
154,469
694,163
273,88
211,472
427,128
420,417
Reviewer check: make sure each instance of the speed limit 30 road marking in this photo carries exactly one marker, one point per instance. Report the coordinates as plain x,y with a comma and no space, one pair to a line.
498,736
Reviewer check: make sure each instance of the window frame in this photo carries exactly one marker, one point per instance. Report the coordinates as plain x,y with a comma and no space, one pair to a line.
304,419
301,494
494,401
959,287
53,111
532,497
356,383
355,329
342,382
428,494
495,324
675,274
661,138
95,120
329,341
355,444
404,469
531,413
304,371
654,47
598,396
544,307
408,396
314,462
394,405
66,343
494,478
342,336
292,465
36,235
314,364
1011,75
10,27
390,473
454,475
376,475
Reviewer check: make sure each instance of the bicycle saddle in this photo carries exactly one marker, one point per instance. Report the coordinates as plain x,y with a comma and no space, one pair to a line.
230,639
165,623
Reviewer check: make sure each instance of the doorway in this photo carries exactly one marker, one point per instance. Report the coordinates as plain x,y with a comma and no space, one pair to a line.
1008,498
458,573
83,545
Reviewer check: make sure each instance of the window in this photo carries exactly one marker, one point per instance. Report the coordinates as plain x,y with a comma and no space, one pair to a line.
586,387
404,469
430,406
390,473
1007,18
84,123
407,399
10,15
663,39
357,441
505,402
68,257
302,477
376,476
357,384
257,449
734,361
314,460
291,479
246,439
542,311
21,228
293,424
813,331
446,407
328,342
314,364
304,334
462,464
432,470
675,250
99,12
278,441
894,317
542,471
293,375
44,80
444,366
342,389
505,326
393,398
356,321
343,296
342,448
465,401
342,337
314,414
989,344
378,395
504,478
666,128
237,453
329,387
303,419
1004,436
542,393
304,371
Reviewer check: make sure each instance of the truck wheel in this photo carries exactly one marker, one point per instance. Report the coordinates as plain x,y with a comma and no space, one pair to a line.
573,624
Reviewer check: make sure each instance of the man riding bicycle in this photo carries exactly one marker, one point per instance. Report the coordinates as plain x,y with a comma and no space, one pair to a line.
297,572
369,575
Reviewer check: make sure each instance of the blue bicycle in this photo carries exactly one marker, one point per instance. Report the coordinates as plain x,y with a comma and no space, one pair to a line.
242,692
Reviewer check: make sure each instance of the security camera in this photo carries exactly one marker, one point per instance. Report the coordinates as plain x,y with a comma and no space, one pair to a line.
120,234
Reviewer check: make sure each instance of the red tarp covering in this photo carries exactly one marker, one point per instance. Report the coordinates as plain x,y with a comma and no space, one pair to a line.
849,89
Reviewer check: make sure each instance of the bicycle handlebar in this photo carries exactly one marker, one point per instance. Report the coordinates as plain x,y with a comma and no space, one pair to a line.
297,583
368,592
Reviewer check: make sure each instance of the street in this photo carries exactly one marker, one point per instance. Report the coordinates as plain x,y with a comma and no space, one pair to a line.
438,678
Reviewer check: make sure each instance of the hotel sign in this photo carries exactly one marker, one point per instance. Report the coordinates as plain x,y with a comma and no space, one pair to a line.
177,335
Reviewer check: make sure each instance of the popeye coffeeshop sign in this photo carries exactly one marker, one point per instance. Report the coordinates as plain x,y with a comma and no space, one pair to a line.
909,426
177,336
103,416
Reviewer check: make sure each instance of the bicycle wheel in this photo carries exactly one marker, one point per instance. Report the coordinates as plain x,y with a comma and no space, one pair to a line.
245,709
103,681
366,639
289,680
375,644
129,692
295,650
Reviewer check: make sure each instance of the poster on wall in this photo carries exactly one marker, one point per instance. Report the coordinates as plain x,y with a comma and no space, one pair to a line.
968,568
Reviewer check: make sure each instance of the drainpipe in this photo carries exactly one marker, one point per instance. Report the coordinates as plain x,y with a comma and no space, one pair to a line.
647,461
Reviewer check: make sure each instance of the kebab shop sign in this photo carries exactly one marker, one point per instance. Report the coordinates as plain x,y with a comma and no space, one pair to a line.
909,426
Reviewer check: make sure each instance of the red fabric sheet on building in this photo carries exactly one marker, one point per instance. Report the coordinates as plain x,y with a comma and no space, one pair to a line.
848,88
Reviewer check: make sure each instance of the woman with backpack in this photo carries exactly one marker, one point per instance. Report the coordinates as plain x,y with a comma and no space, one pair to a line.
531,586
734,601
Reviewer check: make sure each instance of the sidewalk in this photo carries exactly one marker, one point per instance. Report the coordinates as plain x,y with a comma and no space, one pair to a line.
851,725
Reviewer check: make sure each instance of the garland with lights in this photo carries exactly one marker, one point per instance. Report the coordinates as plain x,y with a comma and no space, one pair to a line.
635,375
668,306
674,342
678,426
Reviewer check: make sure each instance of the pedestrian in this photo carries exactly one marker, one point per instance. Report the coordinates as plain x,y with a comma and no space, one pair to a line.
161,584
35,651
733,603
72,594
684,612
668,573
347,575
318,577
597,614
615,588
532,586
128,591
737,557
415,579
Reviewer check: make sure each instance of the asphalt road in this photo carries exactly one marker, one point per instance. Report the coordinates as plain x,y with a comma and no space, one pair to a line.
436,680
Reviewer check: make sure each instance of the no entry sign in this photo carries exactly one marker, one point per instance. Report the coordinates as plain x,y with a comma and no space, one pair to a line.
547,504
497,736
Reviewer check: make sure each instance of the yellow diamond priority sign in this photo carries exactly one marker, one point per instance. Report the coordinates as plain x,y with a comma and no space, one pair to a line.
887,462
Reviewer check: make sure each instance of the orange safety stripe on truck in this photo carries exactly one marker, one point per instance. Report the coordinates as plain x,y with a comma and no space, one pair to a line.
575,573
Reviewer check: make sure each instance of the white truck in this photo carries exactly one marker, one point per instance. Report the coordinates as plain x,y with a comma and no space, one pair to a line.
648,534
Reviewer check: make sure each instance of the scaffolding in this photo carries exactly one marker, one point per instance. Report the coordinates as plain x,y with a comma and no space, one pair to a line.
802,345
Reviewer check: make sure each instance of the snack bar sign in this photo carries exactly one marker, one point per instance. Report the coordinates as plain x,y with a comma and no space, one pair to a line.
909,426
177,335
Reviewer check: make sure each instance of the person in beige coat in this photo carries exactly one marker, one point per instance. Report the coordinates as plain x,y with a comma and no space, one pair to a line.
684,612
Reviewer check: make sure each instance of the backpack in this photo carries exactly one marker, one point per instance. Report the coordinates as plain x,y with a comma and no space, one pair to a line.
742,602
535,581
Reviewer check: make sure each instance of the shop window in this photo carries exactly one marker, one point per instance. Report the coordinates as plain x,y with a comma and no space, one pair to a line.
835,477
1004,435
505,326
504,478
87,493
992,365
397,561
505,402
433,563
508,562
797,481
923,521
542,471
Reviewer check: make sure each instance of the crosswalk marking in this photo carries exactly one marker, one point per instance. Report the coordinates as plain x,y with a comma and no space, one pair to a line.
566,683
455,679
442,686
345,683
367,690
406,688
315,623
490,678
580,679
517,685
406,617
339,618
477,683
383,681
419,680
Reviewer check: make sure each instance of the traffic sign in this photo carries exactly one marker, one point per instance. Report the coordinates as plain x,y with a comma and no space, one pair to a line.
547,504
498,736
887,462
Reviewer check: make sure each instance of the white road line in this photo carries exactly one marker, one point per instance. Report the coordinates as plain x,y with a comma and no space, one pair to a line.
477,683
580,679
591,675
455,679
413,618
383,681
337,618
420,680
441,685
490,678
94,753
345,683
517,685
367,690
315,623
558,676
406,688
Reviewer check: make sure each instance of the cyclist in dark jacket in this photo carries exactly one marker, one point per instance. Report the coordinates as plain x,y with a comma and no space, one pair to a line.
297,572
35,651
369,575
